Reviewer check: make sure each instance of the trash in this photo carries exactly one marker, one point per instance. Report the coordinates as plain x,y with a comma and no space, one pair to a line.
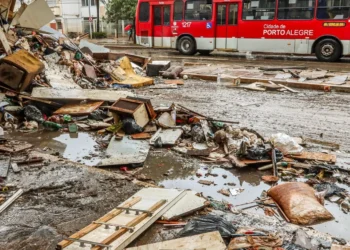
173,72
72,128
205,182
29,126
167,136
130,126
315,156
208,223
270,178
329,188
141,136
165,120
345,205
78,109
125,107
155,67
224,192
211,240
9,201
188,204
288,197
236,191
286,144
248,241
14,146
4,167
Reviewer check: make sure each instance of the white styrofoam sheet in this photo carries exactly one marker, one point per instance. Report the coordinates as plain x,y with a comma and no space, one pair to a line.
149,197
168,136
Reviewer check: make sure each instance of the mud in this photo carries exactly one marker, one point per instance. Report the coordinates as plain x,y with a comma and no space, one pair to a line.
59,199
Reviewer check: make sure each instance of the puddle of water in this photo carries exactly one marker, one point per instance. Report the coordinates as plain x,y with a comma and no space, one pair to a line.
80,146
184,177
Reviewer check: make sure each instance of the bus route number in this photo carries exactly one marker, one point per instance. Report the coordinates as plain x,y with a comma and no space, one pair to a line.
186,24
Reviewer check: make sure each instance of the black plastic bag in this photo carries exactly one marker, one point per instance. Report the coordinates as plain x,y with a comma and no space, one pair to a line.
32,113
208,223
130,126
330,188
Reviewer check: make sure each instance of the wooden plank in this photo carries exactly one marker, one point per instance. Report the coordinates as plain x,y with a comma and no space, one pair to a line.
4,167
150,197
315,156
78,109
93,226
177,82
206,241
5,43
79,94
9,201
40,100
15,167
132,223
14,146
141,136
339,247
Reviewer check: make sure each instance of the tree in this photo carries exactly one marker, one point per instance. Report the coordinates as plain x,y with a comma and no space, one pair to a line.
121,10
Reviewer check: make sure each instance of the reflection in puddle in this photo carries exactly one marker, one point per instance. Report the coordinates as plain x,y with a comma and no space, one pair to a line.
80,146
184,177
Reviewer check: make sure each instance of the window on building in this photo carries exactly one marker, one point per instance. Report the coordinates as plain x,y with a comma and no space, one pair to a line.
296,9
333,9
144,12
86,2
258,9
198,10
178,10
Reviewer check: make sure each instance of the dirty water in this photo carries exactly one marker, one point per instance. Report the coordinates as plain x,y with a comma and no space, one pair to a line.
184,176
79,147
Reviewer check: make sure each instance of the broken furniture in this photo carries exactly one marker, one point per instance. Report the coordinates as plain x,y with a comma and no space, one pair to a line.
131,108
155,67
19,69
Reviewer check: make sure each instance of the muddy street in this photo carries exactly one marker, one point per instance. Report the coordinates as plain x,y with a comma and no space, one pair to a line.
112,133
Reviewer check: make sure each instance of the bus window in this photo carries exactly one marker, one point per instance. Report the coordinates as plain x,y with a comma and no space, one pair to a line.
157,16
166,15
178,10
144,12
233,14
198,10
296,9
258,9
333,9
221,14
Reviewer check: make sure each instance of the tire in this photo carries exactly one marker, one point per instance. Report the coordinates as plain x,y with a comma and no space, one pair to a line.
205,52
328,50
187,46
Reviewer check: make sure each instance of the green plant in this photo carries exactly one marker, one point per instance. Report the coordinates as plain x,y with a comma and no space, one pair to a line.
98,35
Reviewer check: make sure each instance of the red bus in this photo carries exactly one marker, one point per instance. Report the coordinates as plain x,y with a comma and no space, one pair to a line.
318,27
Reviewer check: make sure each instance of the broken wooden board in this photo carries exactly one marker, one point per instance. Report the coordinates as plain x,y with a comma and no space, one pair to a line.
167,136
4,167
164,86
141,136
206,241
79,94
337,80
159,200
5,43
177,82
14,146
315,156
186,206
339,247
199,152
9,201
78,109
125,151
15,167
241,163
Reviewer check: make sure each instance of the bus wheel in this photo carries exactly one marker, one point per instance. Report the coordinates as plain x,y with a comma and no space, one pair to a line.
205,52
328,50
187,46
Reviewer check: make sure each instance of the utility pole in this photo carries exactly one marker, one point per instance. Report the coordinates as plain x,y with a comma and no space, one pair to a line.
90,19
98,15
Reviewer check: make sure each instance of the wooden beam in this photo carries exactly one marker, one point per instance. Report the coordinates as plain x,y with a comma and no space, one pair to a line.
4,42
132,223
11,200
93,226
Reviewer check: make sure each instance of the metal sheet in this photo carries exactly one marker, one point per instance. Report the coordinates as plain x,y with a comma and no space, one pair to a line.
79,94
168,136
31,18
78,109
125,151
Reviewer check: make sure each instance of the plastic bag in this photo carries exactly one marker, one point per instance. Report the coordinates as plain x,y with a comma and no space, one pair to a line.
33,113
130,126
197,134
208,223
286,144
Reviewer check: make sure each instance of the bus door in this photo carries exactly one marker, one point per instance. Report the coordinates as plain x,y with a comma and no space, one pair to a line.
226,26
161,26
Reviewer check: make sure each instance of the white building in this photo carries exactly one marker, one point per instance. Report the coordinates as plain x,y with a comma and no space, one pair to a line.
73,15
